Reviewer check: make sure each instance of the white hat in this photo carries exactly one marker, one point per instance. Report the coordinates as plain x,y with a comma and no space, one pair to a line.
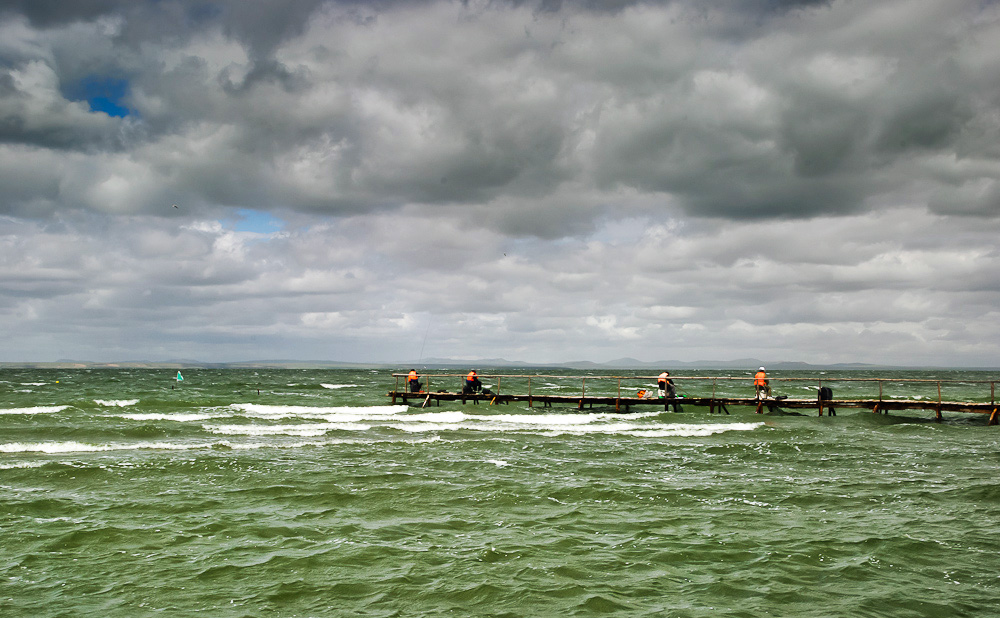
761,369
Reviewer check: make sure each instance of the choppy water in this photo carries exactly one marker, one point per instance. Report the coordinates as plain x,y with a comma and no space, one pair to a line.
123,496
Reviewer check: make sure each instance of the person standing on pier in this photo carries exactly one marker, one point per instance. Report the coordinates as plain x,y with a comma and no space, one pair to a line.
761,385
414,381
472,384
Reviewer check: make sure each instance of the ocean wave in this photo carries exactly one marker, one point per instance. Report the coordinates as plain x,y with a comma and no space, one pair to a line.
155,416
560,426
278,411
544,419
59,448
23,464
334,386
80,447
430,427
33,410
304,431
693,431
116,403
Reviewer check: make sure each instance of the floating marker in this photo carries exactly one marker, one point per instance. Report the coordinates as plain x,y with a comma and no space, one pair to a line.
179,376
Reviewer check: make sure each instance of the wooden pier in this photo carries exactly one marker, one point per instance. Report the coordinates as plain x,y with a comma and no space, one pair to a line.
607,391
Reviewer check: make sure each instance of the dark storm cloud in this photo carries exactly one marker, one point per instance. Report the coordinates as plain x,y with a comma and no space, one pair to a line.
741,110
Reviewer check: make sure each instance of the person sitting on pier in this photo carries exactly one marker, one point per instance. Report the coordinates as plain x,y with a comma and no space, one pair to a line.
667,389
472,384
761,384
414,381
666,385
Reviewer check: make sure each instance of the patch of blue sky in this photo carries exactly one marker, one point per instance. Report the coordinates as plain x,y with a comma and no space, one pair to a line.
103,94
257,221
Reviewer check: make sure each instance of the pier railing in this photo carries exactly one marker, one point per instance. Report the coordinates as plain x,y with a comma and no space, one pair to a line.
621,386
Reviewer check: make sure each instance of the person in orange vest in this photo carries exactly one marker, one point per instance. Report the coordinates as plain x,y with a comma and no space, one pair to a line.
472,384
667,388
414,381
760,384
666,385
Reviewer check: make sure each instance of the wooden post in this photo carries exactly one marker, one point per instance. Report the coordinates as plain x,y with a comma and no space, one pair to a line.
584,393
529,392
619,397
819,396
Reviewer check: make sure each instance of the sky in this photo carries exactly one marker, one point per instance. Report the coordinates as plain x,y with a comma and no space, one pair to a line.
540,181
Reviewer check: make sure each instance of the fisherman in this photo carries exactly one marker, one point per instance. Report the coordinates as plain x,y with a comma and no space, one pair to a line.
761,385
472,384
414,381
667,389
666,385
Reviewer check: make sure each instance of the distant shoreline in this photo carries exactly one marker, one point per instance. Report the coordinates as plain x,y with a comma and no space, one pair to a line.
445,364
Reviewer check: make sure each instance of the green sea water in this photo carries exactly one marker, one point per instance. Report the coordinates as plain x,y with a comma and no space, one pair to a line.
307,493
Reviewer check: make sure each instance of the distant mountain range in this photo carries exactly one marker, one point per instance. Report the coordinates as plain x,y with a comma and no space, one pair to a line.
632,363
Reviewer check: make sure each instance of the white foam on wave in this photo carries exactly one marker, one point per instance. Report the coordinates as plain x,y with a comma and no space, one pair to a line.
554,425
33,383
658,430
33,410
339,385
311,430
694,431
23,464
431,427
79,447
359,412
157,416
542,419
116,403
434,417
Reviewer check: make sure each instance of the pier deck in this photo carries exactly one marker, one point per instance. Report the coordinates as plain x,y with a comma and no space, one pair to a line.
714,403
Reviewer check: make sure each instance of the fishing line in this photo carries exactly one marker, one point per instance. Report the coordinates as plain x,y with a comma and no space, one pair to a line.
426,332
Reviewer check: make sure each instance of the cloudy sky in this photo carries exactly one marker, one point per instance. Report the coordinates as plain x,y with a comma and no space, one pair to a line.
542,181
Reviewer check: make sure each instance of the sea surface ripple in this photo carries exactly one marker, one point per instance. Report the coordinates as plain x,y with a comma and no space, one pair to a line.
240,493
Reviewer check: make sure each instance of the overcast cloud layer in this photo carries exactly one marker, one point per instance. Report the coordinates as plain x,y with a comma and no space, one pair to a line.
541,181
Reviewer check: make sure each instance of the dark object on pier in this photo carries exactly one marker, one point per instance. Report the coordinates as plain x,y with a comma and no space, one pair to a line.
825,393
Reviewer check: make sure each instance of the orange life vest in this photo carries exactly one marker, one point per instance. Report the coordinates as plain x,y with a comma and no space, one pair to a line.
413,374
471,376
760,379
